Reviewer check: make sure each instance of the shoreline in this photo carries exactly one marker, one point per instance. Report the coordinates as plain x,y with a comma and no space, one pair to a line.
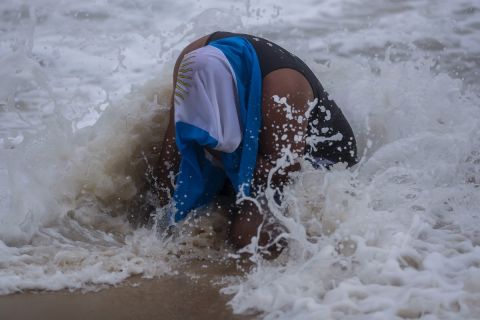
189,295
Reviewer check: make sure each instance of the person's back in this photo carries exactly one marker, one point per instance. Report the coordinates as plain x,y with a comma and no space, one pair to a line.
328,127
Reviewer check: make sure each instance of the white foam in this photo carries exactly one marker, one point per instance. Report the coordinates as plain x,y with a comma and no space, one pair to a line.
389,237
396,236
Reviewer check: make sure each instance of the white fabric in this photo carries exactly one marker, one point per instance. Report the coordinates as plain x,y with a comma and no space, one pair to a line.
206,96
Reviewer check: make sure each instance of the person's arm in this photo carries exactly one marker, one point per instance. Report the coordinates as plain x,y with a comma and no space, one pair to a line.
169,162
283,127
169,159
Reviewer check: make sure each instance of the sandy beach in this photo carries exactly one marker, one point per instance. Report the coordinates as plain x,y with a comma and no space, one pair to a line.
184,296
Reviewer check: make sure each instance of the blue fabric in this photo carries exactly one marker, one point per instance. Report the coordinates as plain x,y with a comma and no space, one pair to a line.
240,165
199,180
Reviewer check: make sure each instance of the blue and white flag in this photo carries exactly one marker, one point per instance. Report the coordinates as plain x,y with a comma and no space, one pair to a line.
218,106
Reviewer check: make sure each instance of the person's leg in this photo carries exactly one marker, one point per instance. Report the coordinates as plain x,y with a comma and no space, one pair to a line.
283,127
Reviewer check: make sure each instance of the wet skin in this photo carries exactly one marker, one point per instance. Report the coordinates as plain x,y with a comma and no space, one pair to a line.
278,131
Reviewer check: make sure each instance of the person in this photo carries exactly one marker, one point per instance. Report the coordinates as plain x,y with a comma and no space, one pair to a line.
241,103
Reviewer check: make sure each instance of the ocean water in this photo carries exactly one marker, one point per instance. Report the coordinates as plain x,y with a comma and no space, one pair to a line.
84,93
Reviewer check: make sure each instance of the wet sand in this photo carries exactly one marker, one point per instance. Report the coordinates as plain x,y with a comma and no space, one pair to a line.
169,297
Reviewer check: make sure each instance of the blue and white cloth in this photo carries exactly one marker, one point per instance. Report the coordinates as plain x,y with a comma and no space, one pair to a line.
218,106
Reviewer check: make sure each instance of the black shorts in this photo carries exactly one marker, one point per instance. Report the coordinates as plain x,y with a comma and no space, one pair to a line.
334,137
